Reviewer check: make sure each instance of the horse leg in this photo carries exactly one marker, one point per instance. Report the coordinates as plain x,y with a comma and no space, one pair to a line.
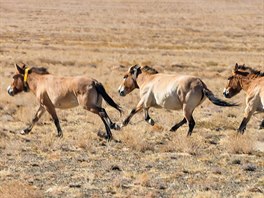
191,124
248,113
261,125
148,119
109,121
51,109
178,125
102,113
187,111
41,110
56,121
138,108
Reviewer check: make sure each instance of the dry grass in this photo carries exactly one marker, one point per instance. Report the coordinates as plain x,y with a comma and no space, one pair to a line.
134,139
181,143
18,189
143,179
240,144
101,40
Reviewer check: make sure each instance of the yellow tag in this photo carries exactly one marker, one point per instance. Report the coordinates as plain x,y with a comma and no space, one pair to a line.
26,74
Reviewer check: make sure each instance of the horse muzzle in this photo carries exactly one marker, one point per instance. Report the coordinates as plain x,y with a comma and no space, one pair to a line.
10,91
226,93
122,93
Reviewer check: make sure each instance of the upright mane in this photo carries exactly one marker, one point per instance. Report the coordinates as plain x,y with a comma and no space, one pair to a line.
149,70
39,70
250,70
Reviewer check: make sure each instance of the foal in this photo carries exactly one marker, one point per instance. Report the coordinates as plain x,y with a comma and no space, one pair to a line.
167,91
252,82
62,92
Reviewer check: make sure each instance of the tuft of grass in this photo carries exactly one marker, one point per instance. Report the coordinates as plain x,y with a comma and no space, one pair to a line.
240,144
143,179
181,143
135,140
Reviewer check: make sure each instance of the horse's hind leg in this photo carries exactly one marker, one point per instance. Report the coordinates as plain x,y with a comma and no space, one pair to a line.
41,110
191,124
178,125
261,125
148,119
188,116
102,113
109,121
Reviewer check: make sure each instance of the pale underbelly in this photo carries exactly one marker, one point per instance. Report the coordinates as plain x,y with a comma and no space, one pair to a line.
66,103
171,103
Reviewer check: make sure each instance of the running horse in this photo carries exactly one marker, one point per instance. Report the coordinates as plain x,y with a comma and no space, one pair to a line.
252,82
169,91
62,92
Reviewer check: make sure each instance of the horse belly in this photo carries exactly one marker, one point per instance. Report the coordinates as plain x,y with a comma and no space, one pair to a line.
170,102
68,101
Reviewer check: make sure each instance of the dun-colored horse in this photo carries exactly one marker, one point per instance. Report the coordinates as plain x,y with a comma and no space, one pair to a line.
62,92
167,91
252,82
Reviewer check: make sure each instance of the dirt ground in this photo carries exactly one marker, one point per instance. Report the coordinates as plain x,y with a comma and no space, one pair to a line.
101,39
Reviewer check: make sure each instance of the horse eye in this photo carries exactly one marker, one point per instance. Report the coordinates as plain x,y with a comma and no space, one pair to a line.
230,78
125,76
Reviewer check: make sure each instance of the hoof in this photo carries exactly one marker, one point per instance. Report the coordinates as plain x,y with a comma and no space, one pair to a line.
115,126
24,131
241,131
105,136
59,135
123,124
172,130
151,122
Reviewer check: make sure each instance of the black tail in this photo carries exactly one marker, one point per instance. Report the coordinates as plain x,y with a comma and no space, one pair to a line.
100,88
209,94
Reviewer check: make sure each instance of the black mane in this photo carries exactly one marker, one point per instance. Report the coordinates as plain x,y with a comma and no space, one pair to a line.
39,70
251,70
149,70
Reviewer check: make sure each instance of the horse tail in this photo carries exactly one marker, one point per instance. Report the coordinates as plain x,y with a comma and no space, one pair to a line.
101,90
219,102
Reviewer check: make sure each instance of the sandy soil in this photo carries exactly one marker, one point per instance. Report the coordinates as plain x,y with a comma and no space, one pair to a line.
101,39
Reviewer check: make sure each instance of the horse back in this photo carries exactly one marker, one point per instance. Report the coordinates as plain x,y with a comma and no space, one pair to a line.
172,91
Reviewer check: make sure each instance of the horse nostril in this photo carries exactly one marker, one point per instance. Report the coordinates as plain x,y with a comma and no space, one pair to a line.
10,92
121,93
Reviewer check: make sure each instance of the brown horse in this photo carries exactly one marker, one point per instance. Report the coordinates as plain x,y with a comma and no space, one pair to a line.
167,91
252,82
62,92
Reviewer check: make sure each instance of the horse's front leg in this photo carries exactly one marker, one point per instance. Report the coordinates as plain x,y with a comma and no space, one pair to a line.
148,119
248,113
135,110
41,110
51,109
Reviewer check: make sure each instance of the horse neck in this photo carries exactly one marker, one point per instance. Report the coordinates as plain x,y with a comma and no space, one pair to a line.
143,78
245,81
32,81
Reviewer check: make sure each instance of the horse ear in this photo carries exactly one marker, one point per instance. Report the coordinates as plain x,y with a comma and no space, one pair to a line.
19,69
235,69
136,71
